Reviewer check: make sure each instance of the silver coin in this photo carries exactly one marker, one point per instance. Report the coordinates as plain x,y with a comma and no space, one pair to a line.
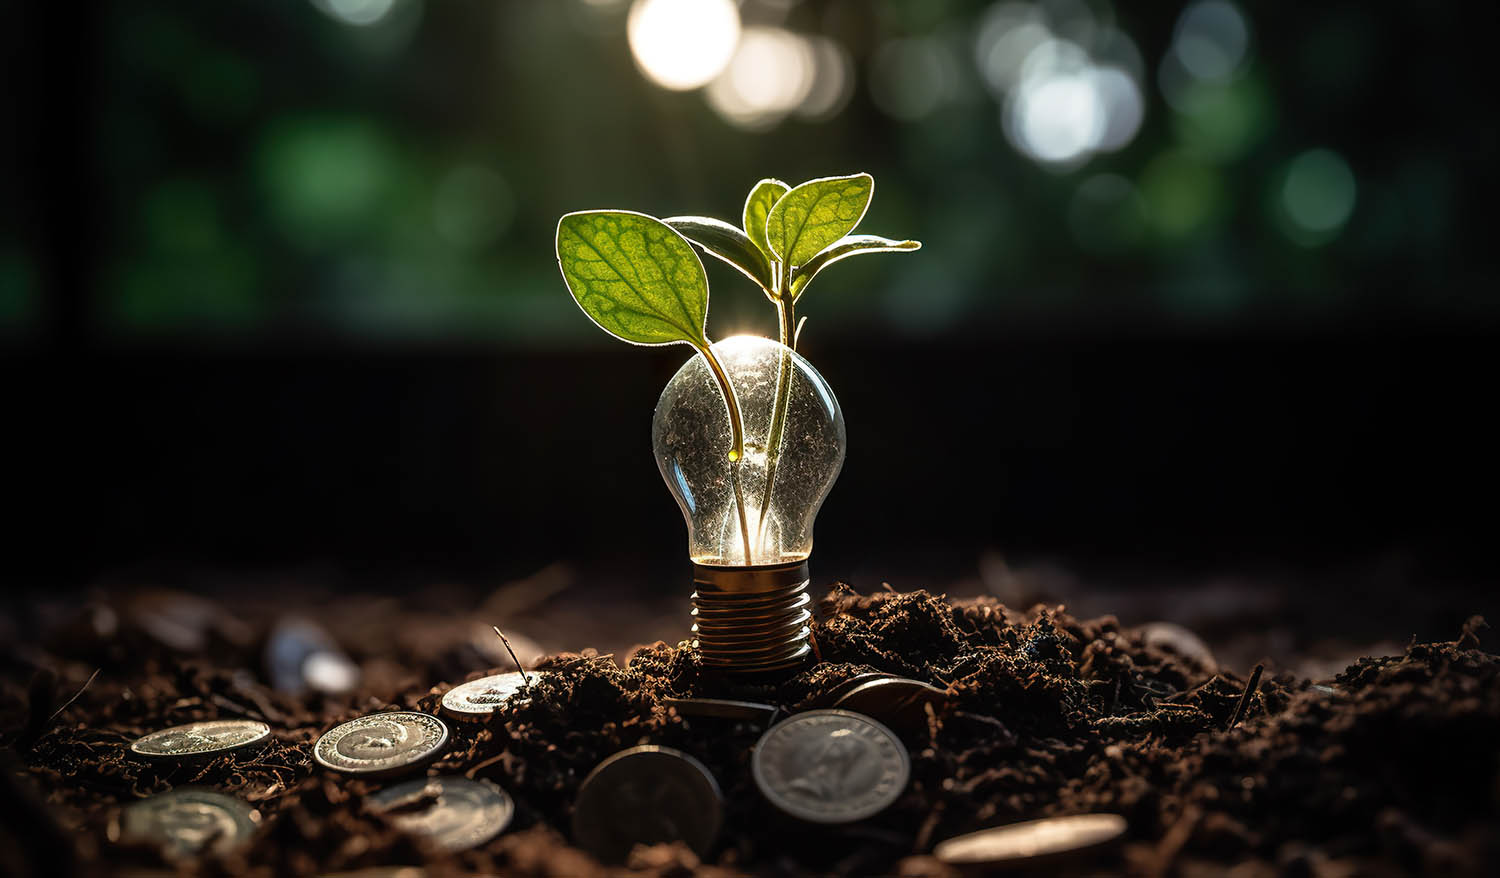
830,766
382,743
1031,840
482,697
203,739
646,795
186,822
459,813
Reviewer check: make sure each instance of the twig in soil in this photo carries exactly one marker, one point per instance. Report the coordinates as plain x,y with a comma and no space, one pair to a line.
69,703
1239,709
483,765
525,679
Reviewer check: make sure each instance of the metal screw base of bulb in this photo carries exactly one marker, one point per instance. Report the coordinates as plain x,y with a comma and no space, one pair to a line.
752,619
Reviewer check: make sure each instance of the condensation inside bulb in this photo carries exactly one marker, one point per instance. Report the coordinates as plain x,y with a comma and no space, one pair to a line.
694,446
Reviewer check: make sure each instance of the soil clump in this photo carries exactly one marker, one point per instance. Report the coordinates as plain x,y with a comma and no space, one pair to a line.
1390,768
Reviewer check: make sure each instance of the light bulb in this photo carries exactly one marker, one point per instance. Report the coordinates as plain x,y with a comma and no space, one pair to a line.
749,546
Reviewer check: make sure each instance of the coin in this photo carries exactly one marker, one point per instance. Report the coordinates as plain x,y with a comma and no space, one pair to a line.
722,708
1031,840
185,822
646,795
381,743
830,766
832,696
898,702
459,813
480,698
210,738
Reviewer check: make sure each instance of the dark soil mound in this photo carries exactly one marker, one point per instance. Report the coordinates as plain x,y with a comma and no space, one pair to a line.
1391,768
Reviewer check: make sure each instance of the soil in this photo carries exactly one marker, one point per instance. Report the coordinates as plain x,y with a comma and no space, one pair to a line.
1392,767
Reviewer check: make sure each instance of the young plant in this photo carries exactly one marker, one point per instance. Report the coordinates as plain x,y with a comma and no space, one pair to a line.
790,234
640,280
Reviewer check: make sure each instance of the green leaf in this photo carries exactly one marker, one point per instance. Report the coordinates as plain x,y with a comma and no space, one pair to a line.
853,245
727,243
758,206
634,276
815,214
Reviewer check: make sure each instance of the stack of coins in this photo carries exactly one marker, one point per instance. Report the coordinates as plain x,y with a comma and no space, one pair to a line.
751,619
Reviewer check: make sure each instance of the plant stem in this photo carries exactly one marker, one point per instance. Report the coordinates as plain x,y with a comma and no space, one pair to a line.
786,317
736,442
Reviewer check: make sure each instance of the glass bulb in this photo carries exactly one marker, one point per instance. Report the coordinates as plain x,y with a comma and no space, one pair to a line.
750,516
693,445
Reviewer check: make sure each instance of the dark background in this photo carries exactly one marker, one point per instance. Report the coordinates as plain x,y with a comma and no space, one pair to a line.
236,335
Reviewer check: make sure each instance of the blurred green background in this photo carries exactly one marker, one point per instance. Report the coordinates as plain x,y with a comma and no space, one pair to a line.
1204,283
391,171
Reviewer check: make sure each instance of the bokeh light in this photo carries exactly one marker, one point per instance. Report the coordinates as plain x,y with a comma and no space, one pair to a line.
683,44
771,74
1223,121
382,149
1185,196
326,179
1006,36
833,81
1211,39
1317,196
1210,44
359,13
1064,107
1069,85
1056,117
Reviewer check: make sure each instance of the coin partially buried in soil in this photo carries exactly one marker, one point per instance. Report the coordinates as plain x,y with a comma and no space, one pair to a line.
382,743
1032,841
186,822
896,701
831,697
454,812
646,795
201,740
479,698
722,708
830,766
